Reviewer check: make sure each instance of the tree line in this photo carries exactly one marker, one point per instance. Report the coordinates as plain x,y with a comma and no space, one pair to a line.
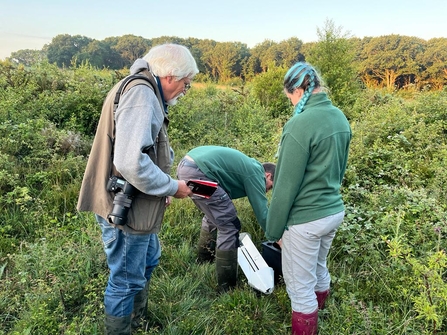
391,61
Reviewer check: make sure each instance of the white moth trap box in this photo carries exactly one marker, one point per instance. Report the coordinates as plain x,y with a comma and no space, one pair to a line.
259,275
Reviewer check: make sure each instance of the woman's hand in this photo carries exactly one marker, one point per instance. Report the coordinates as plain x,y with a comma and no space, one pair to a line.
279,243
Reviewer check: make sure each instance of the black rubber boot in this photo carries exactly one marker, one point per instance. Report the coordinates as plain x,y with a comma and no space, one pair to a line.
226,269
139,314
115,325
206,247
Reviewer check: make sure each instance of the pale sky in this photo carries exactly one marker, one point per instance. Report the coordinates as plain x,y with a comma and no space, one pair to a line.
30,24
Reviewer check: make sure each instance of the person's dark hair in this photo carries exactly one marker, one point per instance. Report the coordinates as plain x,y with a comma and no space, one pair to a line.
270,168
302,75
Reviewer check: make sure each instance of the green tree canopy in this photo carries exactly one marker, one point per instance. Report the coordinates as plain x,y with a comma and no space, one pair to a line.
132,47
291,52
224,58
28,57
101,54
263,55
64,47
391,61
383,59
434,60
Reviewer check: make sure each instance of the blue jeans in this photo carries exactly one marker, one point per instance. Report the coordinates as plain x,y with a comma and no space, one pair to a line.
131,259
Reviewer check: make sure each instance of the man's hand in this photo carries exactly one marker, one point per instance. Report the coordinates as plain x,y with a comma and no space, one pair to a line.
183,190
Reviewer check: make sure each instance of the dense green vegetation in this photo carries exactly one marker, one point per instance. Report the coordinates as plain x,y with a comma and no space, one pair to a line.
388,260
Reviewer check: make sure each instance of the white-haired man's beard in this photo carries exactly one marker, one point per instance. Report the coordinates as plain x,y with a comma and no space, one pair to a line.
174,100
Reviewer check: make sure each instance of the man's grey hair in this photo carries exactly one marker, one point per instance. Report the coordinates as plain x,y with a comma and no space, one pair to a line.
171,60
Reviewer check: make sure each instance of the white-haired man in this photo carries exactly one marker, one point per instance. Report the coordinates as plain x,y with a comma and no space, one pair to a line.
127,182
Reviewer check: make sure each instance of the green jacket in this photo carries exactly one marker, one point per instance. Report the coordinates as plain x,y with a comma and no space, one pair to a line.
239,175
312,161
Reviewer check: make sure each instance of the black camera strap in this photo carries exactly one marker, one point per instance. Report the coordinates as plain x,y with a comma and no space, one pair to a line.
138,79
126,81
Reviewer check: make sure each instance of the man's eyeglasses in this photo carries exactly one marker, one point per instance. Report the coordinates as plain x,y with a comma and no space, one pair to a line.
187,86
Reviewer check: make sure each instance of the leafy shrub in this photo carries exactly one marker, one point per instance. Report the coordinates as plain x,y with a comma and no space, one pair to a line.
223,118
69,98
268,88
38,175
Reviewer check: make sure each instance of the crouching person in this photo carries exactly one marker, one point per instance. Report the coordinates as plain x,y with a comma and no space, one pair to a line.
237,176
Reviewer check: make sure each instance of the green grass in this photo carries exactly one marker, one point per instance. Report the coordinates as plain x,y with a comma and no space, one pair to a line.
55,286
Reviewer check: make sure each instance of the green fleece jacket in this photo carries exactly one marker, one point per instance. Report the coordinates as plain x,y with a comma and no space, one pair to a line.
312,161
239,175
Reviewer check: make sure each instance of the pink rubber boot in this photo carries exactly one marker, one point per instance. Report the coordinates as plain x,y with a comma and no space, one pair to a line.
305,324
321,298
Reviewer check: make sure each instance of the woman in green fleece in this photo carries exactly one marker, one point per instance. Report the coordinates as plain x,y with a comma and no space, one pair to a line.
306,207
